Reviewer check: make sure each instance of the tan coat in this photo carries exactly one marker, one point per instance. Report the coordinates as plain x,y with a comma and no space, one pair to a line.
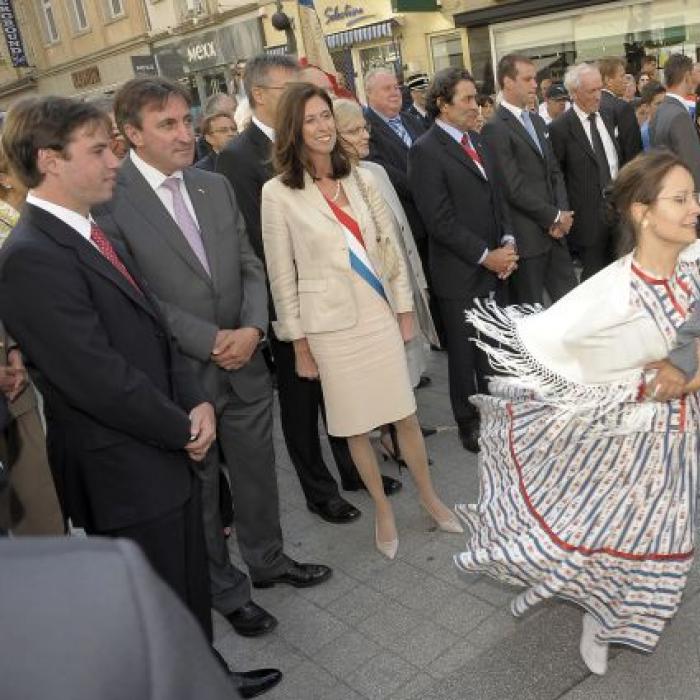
308,262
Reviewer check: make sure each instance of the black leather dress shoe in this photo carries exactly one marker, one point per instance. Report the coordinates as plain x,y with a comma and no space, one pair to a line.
250,620
250,684
469,436
424,381
391,486
298,575
337,511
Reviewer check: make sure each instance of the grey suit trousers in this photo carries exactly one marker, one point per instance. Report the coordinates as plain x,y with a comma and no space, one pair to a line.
244,434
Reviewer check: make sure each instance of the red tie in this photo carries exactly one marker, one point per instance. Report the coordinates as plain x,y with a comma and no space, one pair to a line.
470,150
97,236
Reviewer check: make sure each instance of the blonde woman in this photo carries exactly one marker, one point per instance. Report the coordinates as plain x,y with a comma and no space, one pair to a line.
342,295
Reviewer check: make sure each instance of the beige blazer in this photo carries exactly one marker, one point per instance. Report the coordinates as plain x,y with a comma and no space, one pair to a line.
307,257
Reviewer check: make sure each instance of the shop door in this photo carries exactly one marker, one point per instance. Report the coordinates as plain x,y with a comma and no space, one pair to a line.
388,54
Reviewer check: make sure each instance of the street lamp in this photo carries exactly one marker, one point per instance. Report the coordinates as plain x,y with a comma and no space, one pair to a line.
282,22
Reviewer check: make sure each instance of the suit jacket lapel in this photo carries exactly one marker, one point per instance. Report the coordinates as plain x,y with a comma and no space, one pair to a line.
203,208
65,235
315,198
520,130
457,152
578,133
263,146
147,203
379,123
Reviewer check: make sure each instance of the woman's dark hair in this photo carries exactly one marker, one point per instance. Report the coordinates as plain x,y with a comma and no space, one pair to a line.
442,87
639,182
289,156
483,100
35,123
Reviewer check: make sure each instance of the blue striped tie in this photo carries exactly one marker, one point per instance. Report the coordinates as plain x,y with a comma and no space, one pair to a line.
530,127
400,130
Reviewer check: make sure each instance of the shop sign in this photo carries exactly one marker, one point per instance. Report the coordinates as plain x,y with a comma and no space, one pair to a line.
350,13
86,77
13,38
144,65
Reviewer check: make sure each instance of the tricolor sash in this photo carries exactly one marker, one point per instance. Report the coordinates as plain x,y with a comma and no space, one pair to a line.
359,260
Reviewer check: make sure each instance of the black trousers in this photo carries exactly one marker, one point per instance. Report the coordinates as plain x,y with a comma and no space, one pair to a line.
300,403
467,366
552,272
174,545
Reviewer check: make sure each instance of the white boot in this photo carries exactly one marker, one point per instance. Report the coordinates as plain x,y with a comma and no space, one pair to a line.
593,652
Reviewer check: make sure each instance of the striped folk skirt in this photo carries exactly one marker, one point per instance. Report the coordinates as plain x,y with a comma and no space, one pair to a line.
596,508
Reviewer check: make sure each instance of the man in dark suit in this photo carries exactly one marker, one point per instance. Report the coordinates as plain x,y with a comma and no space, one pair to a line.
125,414
246,162
533,187
589,157
217,130
672,125
620,113
417,85
471,242
184,229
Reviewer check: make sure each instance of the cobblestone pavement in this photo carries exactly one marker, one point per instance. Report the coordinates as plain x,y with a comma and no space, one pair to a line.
414,628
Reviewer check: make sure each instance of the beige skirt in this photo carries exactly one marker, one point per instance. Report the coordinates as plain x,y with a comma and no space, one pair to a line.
363,370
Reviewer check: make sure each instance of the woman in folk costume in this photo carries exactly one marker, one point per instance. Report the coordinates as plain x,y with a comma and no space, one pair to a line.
588,478
342,295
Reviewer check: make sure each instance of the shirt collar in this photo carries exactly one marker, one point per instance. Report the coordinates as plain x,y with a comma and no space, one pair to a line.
267,130
517,112
581,114
419,109
383,117
154,177
453,131
678,97
76,221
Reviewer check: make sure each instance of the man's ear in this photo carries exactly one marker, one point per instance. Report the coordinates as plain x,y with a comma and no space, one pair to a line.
134,135
47,160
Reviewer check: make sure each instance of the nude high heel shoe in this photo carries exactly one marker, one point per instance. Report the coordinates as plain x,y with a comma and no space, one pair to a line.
450,523
388,549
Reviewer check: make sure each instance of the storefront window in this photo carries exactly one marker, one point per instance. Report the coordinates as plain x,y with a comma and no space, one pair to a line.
383,55
628,29
446,50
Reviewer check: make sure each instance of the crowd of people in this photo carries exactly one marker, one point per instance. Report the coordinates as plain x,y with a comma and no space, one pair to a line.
157,287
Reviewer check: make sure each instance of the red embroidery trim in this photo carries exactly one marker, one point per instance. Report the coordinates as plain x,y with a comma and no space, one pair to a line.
570,547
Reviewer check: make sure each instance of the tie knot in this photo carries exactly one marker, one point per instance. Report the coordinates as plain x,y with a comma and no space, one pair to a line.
591,117
465,140
396,120
172,184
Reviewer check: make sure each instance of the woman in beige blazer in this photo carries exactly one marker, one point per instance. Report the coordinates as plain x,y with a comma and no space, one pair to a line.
342,295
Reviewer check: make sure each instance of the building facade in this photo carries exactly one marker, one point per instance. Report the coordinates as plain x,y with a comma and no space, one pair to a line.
411,35
558,33
199,42
74,47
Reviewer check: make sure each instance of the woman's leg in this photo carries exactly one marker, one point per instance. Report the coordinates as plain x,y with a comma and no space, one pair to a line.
366,462
413,451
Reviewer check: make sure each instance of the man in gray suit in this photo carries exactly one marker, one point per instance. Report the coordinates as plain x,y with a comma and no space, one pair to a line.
88,618
672,126
184,229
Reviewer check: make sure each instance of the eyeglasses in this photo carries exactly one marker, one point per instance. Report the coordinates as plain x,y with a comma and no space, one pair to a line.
358,130
682,198
225,130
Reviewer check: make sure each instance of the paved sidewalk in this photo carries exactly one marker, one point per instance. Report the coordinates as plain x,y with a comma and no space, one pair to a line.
413,628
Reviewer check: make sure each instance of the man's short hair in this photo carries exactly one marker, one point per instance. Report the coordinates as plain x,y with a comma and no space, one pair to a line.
675,68
258,68
508,67
650,91
212,104
137,93
610,65
45,122
209,119
443,88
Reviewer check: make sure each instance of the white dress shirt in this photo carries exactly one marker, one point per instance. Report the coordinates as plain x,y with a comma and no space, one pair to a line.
155,179
76,221
608,145
267,130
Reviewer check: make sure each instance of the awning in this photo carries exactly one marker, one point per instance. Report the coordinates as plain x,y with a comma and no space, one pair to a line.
370,32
